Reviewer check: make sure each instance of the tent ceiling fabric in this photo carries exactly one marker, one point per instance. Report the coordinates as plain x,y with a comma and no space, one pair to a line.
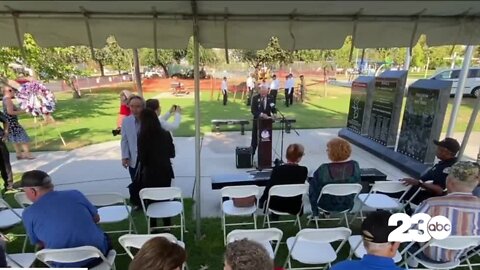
243,25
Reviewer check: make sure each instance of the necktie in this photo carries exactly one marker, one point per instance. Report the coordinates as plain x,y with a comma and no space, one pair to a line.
264,103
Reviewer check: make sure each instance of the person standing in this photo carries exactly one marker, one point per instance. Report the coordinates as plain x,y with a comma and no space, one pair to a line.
289,90
224,91
274,86
124,109
5,166
130,129
16,133
250,87
155,149
302,88
262,107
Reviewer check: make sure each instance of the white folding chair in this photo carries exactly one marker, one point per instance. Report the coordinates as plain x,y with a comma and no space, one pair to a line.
78,254
9,216
136,241
22,200
265,237
377,198
228,208
313,246
112,208
357,248
457,243
169,207
285,191
20,260
339,190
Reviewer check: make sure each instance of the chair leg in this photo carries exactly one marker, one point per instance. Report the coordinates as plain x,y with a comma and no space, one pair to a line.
182,225
299,223
255,221
224,229
25,244
316,222
148,225
346,220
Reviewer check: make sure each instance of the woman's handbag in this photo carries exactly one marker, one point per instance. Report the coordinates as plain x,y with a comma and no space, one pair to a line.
245,202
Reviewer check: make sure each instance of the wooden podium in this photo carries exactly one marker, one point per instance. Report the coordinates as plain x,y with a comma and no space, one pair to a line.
264,135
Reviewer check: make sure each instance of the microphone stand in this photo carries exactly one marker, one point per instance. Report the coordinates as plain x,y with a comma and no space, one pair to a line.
283,121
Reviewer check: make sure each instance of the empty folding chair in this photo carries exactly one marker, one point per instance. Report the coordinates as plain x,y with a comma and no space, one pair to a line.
20,260
9,216
169,203
286,191
78,254
229,208
377,198
357,248
112,208
460,244
265,237
136,241
22,200
339,190
313,246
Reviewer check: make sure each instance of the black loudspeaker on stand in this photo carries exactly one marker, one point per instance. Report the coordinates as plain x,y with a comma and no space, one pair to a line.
243,157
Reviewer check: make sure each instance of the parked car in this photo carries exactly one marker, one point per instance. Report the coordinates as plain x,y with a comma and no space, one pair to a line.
472,84
152,73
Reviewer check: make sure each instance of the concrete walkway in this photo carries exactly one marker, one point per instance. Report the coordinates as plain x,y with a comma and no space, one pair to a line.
97,168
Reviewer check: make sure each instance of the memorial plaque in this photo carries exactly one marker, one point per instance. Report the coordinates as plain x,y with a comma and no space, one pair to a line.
386,107
360,104
423,118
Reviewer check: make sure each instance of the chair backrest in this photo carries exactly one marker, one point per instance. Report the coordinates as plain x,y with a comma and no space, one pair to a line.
6,207
456,242
22,200
291,190
240,191
105,199
327,235
128,241
389,187
69,255
159,194
260,235
340,190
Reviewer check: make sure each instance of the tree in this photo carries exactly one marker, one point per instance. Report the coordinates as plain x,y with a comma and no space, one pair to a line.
101,57
206,56
7,56
117,57
164,58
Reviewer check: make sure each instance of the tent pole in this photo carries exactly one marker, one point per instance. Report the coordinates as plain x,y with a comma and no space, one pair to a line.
470,125
138,77
408,57
459,93
196,60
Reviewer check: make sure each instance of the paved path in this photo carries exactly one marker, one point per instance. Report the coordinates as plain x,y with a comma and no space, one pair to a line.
97,168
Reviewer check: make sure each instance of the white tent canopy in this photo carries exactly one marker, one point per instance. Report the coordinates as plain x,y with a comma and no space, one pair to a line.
241,24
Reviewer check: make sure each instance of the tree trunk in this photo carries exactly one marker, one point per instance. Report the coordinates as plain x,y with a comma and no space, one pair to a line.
165,70
102,68
76,92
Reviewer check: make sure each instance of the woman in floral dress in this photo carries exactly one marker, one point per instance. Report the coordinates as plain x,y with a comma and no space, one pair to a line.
16,134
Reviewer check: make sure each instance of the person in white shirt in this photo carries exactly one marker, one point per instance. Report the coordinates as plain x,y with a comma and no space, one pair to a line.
250,87
274,86
224,91
154,105
289,83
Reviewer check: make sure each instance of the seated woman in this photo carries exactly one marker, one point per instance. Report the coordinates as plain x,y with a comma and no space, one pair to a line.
340,170
288,173
159,253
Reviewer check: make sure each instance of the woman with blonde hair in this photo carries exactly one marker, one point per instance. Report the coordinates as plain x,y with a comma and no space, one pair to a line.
159,253
340,170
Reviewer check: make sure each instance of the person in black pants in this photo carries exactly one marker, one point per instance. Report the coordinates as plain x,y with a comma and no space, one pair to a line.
288,173
5,166
155,149
262,107
225,91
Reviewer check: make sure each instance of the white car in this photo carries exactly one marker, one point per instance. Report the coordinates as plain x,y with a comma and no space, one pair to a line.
153,73
472,84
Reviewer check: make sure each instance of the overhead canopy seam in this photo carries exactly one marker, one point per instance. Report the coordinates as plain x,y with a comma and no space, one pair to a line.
292,35
354,34
15,15
414,32
155,45
225,35
89,31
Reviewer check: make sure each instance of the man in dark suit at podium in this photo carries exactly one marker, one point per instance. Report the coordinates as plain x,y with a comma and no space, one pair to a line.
263,107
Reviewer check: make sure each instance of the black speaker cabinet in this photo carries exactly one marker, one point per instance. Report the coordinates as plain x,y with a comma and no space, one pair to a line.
243,157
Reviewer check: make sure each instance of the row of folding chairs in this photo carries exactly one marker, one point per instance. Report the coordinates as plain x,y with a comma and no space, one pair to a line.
377,198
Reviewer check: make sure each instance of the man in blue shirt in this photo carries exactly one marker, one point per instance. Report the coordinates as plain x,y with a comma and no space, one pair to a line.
380,252
61,219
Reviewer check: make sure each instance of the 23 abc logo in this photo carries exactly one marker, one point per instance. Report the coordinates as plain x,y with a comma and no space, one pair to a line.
425,227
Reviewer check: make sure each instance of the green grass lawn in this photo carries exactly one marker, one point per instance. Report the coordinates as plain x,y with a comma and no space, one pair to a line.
89,120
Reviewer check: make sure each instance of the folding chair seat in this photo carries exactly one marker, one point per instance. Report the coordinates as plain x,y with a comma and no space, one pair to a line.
136,241
9,216
357,248
339,190
313,246
263,236
168,203
228,207
285,191
461,244
112,208
20,260
78,254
